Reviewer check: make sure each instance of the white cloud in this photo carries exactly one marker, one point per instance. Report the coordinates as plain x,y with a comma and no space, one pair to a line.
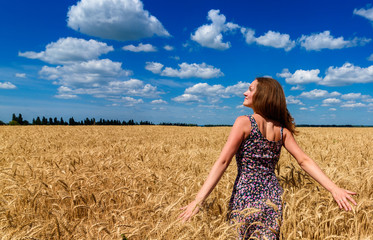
353,105
366,13
318,93
154,67
328,101
211,35
249,35
129,101
347,74
292,100
298,87
140,48
350,96
367,98
114,19
88,74
213,93
193,70
158,101
186,70
237,89
318,41
7,85
303,108
69,50
285,73
113,90
332,109
301,76
65,93
276,40
21,75
187,98
334,76
168,47
133,87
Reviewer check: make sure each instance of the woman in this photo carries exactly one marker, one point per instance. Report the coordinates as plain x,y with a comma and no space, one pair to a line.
257,140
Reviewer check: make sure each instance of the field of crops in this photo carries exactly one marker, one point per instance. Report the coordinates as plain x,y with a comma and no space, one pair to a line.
129,182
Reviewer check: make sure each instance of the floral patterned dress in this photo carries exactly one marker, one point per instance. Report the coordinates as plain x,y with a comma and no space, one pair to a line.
255,203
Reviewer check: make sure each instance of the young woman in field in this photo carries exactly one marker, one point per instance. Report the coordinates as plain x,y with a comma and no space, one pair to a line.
257,140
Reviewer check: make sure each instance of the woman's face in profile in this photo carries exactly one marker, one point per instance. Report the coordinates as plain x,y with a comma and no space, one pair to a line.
248,101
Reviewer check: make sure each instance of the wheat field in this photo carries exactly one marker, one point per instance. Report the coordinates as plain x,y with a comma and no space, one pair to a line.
129,182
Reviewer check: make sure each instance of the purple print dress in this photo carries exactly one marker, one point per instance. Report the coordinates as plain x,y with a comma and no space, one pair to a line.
257,188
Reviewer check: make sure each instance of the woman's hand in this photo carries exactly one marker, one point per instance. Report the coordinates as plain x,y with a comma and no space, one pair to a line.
341,196
189,211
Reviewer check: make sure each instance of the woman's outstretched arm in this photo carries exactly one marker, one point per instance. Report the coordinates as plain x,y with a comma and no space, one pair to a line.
238,133
340,195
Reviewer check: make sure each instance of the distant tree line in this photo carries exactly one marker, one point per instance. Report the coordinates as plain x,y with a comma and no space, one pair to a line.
18,120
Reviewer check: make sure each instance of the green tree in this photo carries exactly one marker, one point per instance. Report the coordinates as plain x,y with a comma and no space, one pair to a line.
38,121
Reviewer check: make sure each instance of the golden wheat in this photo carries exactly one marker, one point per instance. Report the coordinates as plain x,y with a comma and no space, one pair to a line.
116,182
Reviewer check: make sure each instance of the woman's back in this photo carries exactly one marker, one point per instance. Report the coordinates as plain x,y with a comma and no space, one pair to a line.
256,182
269,129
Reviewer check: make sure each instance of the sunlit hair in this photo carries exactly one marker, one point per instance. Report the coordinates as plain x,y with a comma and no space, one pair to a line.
270,102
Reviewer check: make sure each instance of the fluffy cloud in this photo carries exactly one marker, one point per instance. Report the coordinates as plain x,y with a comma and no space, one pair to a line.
324,40
237,89
211,35
129,101
318,93
65,93
69,50
347,74
7,85
366,13
298,87
114,19
213,93
187,98
353,105
350,96
334,76
269,39
276,40
292,100
113,90
140,48
154,67
85,74
249,35
185,71
158,101
301,76
328,101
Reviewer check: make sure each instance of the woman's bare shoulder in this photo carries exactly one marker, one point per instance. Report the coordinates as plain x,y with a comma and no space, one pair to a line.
243,120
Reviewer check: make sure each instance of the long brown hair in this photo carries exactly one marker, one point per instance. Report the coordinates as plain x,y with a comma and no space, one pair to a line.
270,102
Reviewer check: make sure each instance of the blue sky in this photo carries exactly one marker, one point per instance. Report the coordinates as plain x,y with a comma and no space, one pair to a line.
185,61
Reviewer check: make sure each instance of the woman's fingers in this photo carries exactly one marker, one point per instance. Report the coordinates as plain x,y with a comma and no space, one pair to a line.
352,200
350,192
342,197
